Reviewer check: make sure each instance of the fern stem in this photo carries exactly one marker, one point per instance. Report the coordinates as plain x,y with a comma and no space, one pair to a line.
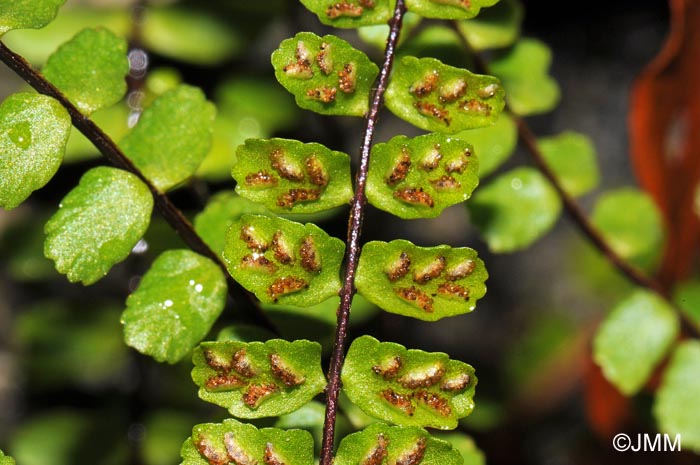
354,233
529,140
116,157
574,209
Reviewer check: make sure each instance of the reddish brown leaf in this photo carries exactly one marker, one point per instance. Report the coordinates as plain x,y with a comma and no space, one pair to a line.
664,125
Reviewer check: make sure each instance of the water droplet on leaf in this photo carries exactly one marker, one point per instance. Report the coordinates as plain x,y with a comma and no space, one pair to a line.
21,135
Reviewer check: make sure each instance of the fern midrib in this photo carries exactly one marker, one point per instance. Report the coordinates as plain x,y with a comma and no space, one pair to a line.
354,233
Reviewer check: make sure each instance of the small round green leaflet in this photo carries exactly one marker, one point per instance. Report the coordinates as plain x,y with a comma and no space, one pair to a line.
515,209
495,27
466,446
222,210
34,130
325,74
351,13
572,157
27,14
620,215
36,45
97,224
523,70
687,296
428,283
493,144
177,302
189,35
633,339
408,387
258,379
5,460
288,176
437,97
235,443
283,261
420,177
90,69
677,402
172,136
398,445
448,9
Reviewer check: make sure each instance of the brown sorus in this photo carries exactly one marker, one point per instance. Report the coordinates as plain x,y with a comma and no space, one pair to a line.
445,182
459,164
431,271
401,168
461,270
434,401
388,369
241,364
323,60
270,457
261,179
466,4
423,378
378,453
415,196
415,455
456,383
317,174
285,169
488,91
476,106
413,294
453,91
309,255
344,8
256,393
286,285
281,371
283,253
301,68
222,382
252,240
216,362
346,78
213,456
258,262
425,85
432,159
428,109
399,268
323,94
400,401
288,199
454,290
237,455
